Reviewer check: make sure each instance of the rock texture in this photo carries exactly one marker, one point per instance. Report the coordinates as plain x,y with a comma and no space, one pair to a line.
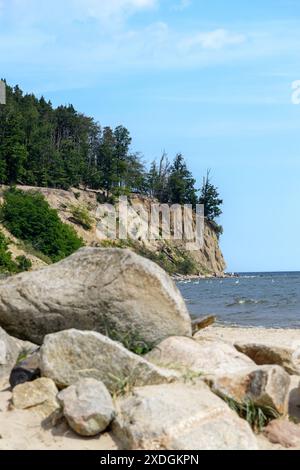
283,432
106,290
9,352
87,406
202,356
286,357
70,355
39,396
266,386
180,417
264,346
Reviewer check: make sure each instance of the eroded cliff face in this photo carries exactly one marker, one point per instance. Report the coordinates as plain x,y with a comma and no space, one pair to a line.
170,254
210,258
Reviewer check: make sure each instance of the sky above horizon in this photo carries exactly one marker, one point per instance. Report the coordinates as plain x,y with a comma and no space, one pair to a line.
211,79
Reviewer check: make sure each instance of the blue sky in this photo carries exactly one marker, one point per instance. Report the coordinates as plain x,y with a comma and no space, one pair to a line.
211,79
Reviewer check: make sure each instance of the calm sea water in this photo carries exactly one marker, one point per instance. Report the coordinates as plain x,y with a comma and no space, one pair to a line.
254,299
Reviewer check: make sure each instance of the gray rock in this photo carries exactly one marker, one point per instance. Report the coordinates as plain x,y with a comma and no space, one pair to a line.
180,417
87,406
265,386
294,398
200,356
25,347
104,290
9,352
70,355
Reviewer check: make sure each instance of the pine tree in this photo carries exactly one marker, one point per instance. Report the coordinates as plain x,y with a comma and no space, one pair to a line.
211,200
158,177
181,184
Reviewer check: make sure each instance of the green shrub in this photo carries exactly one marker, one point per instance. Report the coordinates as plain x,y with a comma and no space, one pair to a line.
131,340
81,216
23,263
29,249
7,264
28,216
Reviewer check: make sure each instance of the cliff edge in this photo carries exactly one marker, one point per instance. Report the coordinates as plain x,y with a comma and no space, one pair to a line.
80,209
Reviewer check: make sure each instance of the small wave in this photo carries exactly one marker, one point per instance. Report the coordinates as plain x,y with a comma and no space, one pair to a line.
246,302
248,277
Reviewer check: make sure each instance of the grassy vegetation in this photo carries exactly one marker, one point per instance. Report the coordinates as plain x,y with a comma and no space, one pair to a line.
81,216
173,260
28,248
23,354
7,264
23,263
122,385
257,416
28,216
131,340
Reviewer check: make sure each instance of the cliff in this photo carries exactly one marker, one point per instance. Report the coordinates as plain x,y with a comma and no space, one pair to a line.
80,208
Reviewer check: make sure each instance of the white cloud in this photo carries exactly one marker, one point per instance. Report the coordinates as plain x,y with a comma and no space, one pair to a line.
80,42
107,8
216,39
182,5
32,11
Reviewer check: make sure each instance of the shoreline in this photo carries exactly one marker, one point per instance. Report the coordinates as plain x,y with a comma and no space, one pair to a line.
197,277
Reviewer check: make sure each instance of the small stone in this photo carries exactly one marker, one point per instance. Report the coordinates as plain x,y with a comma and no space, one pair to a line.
87,407
283,432
39,396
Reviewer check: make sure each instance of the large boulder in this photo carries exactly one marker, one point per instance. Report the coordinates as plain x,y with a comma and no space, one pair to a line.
265,386
38,396
111,291
70,355
9,352
87,407
202,356
179,417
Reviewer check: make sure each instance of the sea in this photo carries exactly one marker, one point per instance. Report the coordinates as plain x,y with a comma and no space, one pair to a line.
270,300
